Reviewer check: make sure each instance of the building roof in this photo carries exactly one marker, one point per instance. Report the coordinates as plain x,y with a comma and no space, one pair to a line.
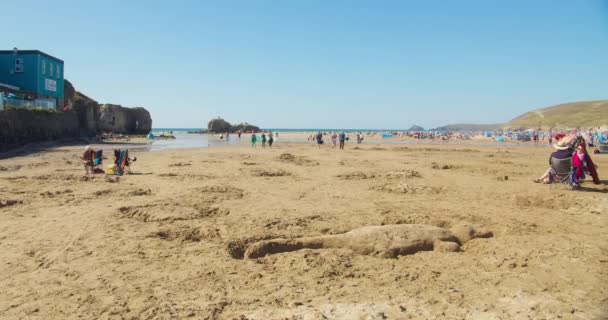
30,52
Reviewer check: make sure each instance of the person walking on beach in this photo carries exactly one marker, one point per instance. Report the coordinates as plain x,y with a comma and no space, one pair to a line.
334,138
254,139
263,139
270,139
227,136
239,134
342,139
319,139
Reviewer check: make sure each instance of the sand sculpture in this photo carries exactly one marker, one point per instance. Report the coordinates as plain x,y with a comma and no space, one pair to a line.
388,241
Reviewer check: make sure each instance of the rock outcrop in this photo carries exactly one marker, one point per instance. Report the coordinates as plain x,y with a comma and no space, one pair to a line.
86,118
244,127
415,128
220,125
118,119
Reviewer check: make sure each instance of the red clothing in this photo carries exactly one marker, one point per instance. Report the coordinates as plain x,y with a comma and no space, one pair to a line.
578,164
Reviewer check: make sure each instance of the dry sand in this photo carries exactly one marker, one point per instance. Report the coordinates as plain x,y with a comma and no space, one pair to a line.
167,242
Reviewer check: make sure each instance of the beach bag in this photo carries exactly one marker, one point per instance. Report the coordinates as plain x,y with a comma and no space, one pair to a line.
111,169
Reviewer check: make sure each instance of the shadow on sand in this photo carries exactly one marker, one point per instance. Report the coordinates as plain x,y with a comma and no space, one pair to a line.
51,146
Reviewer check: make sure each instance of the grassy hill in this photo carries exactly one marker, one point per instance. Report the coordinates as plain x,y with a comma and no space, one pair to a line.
470,127
583,114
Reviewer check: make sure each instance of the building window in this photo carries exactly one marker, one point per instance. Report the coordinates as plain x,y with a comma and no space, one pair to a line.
43,66
51,70
19,65
58,72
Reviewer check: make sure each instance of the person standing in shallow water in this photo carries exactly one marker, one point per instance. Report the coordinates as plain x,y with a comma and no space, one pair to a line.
334,138
254,139
270,139
263,140
342,138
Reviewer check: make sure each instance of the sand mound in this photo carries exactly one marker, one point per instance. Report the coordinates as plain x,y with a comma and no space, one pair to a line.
9,203
229,190
140,192
542,201
357,175
388,241
186,234
444,166
180,164
406,174
151,213
288,223
236,247
408,188
60,177
58,193
269,173
168,175
186,176
10,168
300,311
416,218
105,192
301,161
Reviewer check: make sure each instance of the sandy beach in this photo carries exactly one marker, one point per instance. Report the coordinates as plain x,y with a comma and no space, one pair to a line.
168,241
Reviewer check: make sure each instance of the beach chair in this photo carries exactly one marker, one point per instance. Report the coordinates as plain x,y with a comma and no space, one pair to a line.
122,161
563,172
97,157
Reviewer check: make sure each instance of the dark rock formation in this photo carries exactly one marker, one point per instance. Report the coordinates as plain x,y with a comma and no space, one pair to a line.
218,125
415,128
244,127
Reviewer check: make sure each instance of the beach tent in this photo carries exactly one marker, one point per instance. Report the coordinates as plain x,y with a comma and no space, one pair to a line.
387,135
488,134
500,138
150,136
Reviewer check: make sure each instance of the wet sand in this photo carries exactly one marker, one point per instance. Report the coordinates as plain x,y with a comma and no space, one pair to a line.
168,241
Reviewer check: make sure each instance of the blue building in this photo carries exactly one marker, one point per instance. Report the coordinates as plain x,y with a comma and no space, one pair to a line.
33,76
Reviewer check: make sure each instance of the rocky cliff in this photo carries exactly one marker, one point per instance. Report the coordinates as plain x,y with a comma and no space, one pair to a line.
117,119
85,118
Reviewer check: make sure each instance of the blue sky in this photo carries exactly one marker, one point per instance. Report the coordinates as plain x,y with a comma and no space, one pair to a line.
320,63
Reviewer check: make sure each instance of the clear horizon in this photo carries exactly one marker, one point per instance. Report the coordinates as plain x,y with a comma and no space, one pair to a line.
332,64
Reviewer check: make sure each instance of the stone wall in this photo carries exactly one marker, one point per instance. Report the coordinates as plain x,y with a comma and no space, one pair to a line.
18,127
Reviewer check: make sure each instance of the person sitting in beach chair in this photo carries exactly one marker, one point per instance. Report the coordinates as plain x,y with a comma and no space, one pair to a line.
122,161
560,163
91,159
